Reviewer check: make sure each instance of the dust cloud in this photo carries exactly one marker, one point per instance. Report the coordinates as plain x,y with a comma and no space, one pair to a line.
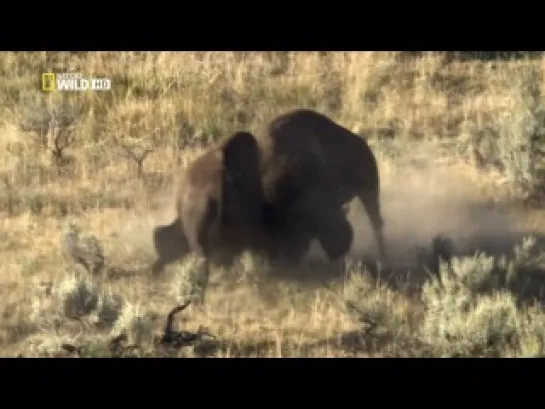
418,204
135,228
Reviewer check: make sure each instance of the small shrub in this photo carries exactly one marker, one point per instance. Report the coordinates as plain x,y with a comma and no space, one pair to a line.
108,310
442,250
189,278
514,141
136,323
78,295
372,303
75,297
45,345
470,310
53,124
532,334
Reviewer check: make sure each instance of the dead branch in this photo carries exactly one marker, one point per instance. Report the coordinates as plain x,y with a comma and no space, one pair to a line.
170,320
52,127
117,347
178,339
132,154
73,349
62,137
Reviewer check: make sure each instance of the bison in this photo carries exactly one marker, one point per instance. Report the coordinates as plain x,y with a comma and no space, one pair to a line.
316,166
274,193
219,205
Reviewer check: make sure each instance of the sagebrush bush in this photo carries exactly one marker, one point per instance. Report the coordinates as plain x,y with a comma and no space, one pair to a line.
189,280
372,303
75,296
108,309
136,323
45,345
442,250
471,311
514,141
78,295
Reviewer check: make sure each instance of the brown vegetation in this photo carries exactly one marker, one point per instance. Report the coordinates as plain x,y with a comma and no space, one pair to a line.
459,146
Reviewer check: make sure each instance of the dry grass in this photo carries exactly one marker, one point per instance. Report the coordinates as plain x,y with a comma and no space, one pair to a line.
454,143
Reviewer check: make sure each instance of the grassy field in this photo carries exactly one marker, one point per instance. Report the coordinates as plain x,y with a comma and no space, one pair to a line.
459,150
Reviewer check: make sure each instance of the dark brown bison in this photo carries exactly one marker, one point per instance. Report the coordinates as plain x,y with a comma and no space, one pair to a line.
315,166
219,205
274,194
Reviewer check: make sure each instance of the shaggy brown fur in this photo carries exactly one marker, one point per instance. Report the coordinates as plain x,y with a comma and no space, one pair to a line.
323,167
275,194
219,204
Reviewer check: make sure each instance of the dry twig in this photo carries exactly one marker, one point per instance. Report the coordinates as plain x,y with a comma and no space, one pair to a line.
178,339
117,347
136,155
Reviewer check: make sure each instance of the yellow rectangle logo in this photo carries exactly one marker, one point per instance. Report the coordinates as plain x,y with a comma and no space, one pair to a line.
48,81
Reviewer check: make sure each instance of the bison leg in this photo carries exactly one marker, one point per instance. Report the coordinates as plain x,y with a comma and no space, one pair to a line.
202,235
335,234
201,249
170,245
371,203
294,230
333,231
316,214
295,243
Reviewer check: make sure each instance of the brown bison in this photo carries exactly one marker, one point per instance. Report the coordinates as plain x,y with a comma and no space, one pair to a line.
219,204
316,166
274,194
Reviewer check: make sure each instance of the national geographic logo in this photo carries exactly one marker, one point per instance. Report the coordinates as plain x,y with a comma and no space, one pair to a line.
49,81
73,82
